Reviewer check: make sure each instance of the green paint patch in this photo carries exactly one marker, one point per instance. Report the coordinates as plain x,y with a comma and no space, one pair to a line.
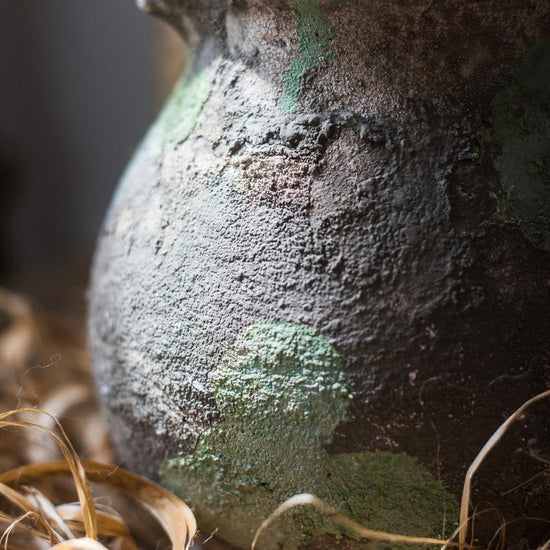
282,392
178,118
315,33
521,122
181,113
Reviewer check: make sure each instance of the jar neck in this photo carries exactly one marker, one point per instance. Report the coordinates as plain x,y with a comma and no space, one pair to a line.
374,56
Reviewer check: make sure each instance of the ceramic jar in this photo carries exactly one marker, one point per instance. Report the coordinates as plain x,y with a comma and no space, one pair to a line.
327,269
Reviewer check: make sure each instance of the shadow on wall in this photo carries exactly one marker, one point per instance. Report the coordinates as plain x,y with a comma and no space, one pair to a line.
78,92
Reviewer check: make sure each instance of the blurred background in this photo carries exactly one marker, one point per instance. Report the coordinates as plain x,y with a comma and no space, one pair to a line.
81,82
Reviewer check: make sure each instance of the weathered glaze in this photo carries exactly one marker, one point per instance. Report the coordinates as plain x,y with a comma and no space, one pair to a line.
282,392
327,267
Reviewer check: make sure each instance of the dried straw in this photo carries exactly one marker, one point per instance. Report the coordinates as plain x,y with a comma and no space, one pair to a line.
361,531
57,524
482,455
173,515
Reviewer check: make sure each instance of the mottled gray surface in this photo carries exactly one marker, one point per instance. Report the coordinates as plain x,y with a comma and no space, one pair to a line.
368,213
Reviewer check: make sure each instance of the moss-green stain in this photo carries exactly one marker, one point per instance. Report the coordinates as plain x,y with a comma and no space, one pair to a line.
521,122
173,126
315,33
282,391
181,113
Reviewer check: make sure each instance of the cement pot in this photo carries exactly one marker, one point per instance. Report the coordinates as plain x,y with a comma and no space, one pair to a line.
327,267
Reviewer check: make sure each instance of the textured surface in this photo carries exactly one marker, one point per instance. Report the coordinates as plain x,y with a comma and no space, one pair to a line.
282,392
368,212
521,120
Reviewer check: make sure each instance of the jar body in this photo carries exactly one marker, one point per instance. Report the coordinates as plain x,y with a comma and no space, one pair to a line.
305,285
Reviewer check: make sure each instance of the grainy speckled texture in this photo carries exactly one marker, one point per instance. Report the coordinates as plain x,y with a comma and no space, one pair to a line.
282,392
370,212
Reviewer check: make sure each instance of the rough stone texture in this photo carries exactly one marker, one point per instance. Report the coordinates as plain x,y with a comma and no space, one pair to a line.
344,166
281,391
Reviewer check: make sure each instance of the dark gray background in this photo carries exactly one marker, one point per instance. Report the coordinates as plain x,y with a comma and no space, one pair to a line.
77,92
